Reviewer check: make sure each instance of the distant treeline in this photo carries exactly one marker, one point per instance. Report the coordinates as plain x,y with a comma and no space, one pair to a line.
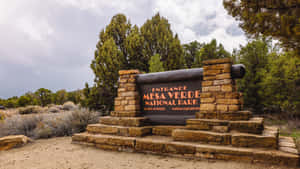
43,97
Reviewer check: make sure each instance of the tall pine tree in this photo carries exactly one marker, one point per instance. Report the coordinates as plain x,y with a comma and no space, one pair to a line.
159,39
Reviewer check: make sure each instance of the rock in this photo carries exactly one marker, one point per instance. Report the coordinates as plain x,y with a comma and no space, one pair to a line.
13,141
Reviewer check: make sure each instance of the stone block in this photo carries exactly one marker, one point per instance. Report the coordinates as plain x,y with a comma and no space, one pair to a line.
222,108
117,102
80,137
123,121
206,115
139,131
223,76
124,113
118,130
234,107
211,89
201,136
13,141
227,88
211,72
123,80
150,145
129,94
228,101
232,95
217,61
251,140
222,82
180,148
204,124
165,130
226,67
209,77
220,129
134,102
128,72
132,107
119,107
254,126
124,102
207,107
207,83
239,115
121,90
205,95
208,100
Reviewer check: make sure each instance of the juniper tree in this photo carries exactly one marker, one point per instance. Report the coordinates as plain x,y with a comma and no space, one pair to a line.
159,39
155,65
277,18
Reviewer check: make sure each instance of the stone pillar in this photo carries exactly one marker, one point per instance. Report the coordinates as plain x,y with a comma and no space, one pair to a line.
127,103
219,97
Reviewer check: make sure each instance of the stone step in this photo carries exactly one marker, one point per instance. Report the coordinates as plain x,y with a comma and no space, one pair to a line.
233,116
268,139
287,144
125,113
253,125
201,136
118,130
165,146
165,130
205,124
124,121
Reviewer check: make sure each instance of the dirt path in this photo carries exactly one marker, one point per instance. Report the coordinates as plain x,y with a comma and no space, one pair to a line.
59,153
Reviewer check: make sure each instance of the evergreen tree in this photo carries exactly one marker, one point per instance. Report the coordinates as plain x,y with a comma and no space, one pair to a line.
159,39
254,56
60,97
280,84
155,64
136,53
44,96
276,18
192,53
106,64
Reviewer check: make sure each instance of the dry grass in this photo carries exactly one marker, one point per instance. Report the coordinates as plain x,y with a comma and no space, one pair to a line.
48,125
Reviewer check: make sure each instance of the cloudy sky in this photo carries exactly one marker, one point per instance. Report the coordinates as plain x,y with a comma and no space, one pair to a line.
50,43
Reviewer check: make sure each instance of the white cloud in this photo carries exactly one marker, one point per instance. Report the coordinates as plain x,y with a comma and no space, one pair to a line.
50,43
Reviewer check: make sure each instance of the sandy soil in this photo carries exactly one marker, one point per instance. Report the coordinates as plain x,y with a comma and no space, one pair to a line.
59,153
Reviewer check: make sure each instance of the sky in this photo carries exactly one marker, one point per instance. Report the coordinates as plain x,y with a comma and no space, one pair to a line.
50,43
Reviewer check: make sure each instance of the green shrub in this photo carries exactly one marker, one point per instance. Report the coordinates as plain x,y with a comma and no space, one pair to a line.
2,116
81,118
30,110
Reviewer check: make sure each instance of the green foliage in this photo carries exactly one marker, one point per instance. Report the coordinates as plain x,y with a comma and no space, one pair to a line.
23,101
155,65
2,116
279,19
44,96
60,97
280,83
192,54
255,57
30,110
159,39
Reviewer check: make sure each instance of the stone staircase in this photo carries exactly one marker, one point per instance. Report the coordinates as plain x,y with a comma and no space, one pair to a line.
221,130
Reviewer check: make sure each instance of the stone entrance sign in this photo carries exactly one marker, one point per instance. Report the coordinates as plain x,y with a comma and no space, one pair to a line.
197,113
172,97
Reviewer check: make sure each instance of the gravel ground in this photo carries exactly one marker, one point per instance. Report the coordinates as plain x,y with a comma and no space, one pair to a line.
59,153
